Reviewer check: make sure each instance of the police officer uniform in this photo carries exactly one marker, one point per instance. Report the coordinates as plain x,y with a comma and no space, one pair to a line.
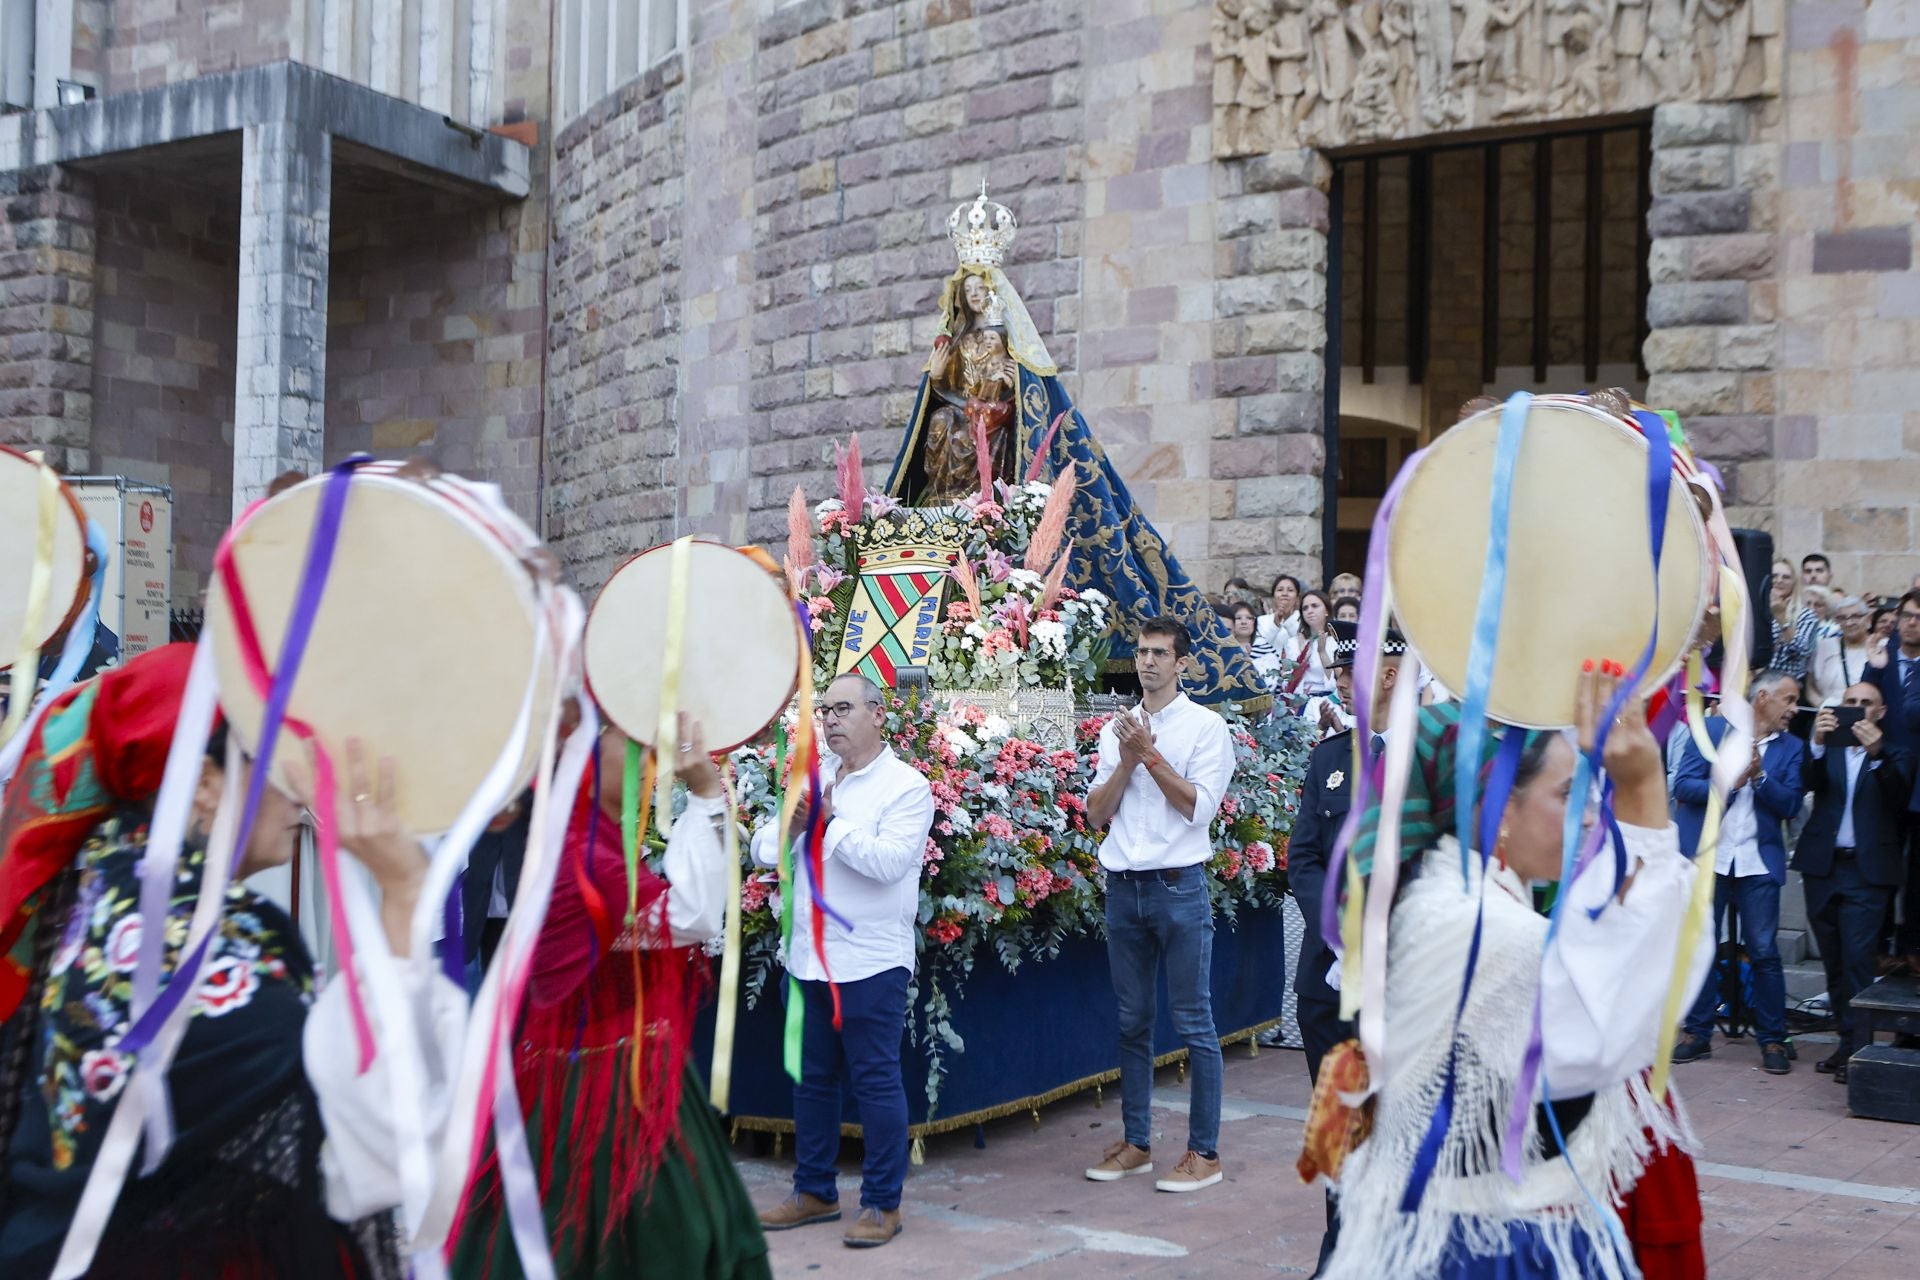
1325,797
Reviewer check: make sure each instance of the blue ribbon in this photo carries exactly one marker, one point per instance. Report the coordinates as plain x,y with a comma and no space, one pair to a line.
1506,766
79,642
1486,623
306,607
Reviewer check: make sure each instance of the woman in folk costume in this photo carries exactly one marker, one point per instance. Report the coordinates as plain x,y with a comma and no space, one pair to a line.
635,1175
252,1186
1426,1194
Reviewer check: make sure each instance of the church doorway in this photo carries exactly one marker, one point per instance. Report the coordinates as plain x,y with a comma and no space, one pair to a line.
1474,267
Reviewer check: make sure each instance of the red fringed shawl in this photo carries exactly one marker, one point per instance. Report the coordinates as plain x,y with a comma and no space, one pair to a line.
584,997
101,744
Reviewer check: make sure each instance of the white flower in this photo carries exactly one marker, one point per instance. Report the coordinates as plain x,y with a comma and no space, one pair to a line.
1026,578
1037,489
828,507
993,791
957,739
996,727
1049,637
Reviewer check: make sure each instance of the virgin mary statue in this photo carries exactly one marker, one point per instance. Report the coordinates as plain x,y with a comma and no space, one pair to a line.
990,377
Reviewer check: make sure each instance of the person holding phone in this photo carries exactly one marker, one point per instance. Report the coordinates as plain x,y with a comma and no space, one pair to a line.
1850,854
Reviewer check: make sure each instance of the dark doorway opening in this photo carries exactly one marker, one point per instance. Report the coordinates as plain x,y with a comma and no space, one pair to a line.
1467,268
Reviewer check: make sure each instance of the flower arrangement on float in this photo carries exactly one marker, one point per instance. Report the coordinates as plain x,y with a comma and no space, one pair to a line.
1011,865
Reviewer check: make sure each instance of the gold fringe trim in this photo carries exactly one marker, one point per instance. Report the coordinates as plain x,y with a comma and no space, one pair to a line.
1000,1111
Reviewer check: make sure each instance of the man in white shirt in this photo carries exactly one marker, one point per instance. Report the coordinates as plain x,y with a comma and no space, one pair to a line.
1163,769
1751,861
876,811
1849,857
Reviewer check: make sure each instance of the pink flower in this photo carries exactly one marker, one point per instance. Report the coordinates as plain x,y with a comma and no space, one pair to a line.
819,607
999,565
998,642
932,856
123,944
944,931
881,504
229,985
754,894
103,1073
984,512
959,611
995,825
836,522
827,577
1260,855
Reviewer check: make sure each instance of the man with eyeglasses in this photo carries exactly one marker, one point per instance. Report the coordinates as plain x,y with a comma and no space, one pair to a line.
1163,768
876,811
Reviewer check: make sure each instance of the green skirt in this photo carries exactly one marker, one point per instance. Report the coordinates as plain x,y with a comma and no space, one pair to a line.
694,1223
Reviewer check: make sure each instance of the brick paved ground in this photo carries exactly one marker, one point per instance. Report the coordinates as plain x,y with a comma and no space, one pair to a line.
1792,1188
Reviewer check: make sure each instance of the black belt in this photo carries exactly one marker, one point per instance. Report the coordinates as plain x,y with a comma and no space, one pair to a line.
1170,875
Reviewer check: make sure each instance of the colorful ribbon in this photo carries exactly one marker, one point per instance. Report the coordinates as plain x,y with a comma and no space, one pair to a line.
26,662
793,1033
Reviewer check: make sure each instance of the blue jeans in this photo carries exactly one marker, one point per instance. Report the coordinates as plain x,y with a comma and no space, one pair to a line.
1149,921
1756,899
865,1051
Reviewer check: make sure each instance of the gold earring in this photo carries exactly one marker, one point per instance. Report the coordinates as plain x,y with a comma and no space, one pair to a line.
1500,846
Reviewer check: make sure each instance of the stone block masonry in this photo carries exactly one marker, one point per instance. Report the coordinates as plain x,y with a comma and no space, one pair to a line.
874,121
163,368
614,288
1712,304
46,313
285,227
1269,346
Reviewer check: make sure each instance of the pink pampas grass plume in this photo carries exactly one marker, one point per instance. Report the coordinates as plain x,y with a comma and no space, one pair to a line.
1047,535
853,481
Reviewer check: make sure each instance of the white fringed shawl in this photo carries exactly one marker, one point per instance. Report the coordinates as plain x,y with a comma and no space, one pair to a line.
1432,930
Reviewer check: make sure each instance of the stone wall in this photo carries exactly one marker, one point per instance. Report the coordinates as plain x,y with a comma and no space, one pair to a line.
613,327
1269,346
434,337
1848,435
46,313
1148,364
139,44
164,357
875,119
1713,302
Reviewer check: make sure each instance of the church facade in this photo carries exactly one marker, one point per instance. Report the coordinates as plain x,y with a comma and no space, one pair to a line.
642,262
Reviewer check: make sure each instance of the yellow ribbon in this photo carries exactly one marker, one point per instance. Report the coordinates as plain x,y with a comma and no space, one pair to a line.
728,1011
1733,592
667,737
26,662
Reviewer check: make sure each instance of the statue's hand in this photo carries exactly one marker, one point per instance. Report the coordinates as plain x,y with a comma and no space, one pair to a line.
942,356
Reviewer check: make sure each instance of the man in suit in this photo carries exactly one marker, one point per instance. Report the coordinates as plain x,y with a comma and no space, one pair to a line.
490,881
1750,860
1898,678
1851,855
1324,798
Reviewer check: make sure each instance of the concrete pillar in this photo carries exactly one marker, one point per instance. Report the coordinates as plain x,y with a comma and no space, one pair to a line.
46,313
280,391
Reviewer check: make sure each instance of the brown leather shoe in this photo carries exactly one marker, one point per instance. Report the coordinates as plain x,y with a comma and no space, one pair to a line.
873,1228
1121,1160
799,1210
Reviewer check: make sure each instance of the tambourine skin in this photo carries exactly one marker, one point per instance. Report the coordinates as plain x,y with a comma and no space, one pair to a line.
740,659
1580,580
19,548
424,641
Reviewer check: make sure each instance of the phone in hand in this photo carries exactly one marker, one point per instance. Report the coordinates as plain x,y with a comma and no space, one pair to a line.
1842,734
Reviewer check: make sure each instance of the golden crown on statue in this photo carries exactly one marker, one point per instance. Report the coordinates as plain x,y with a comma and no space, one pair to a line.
982,231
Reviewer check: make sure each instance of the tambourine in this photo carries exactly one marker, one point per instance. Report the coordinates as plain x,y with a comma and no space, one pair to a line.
24,497
740,651
425,640
1580,577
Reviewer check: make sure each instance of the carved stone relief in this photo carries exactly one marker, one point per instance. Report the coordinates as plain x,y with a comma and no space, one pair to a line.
1330,73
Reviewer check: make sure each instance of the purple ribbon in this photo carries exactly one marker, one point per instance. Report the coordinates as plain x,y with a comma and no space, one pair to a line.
306,605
